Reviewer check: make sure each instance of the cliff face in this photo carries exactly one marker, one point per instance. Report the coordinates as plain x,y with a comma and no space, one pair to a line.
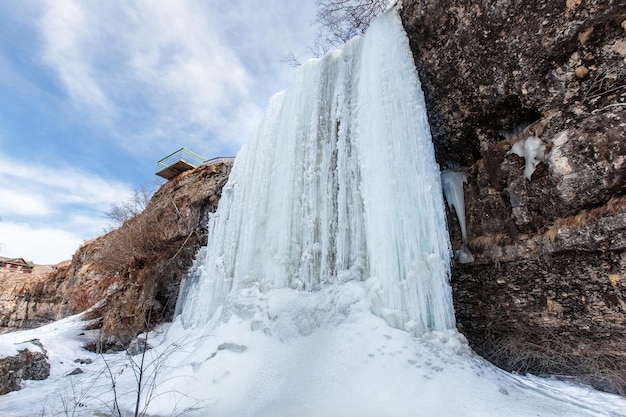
16,292
131,275
547,290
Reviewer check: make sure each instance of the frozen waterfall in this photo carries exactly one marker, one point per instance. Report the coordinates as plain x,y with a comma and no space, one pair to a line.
323,291
339,183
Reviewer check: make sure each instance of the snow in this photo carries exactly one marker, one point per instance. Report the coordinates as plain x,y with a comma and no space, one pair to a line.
325,354
287,352
323,291
63,341
7,349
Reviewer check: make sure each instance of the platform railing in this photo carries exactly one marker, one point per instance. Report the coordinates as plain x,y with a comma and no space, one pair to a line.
219,159
183,154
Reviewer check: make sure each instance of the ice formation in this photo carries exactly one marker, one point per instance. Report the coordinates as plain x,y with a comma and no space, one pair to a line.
452,181
339,183
532,149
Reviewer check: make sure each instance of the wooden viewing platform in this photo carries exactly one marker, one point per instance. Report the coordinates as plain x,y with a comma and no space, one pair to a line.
183,160
178,162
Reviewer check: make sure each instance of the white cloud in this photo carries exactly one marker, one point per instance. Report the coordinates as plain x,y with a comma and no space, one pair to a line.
41,245
20,202
44,188
157,68
194,71
66,27
46,212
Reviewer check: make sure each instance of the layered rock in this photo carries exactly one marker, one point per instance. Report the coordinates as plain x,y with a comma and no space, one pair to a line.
547,289
18,291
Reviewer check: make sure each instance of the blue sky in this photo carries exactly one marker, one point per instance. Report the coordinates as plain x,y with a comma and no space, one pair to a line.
93,93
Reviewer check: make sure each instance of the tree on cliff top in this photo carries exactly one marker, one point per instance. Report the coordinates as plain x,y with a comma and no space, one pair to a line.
340,21
118,213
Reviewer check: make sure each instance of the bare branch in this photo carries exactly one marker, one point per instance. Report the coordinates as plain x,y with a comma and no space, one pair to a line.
124,210
339,21
291,60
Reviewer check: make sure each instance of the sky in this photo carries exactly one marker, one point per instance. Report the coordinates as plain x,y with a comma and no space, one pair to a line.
94,93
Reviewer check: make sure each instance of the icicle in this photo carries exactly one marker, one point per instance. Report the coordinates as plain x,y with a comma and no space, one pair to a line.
452,181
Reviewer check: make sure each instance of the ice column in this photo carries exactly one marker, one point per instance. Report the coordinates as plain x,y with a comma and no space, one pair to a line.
338,183
452,180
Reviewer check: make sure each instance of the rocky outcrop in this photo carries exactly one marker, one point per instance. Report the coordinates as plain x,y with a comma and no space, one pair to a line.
17,291
29,363
547,290
129,278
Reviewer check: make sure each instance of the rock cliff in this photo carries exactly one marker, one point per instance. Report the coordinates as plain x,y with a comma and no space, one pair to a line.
545,80
16,290
128,278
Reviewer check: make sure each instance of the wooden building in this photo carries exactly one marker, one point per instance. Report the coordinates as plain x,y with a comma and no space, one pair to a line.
16,265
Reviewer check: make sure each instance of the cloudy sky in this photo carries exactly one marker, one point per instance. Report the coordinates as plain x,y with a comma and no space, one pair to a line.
93,93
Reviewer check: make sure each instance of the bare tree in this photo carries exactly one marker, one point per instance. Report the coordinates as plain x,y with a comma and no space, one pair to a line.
124,210
146,369
339,21
342,20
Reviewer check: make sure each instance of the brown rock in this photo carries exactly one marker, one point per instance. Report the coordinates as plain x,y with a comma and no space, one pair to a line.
546,292
581,71
572,4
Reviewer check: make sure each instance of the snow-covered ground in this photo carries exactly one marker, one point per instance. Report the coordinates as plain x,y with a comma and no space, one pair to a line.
292,353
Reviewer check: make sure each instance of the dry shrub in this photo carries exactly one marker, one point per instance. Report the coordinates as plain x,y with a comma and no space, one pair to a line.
614,206
79,300
137,262
133,272
553,355
105,283
137,240
488,241
551,234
